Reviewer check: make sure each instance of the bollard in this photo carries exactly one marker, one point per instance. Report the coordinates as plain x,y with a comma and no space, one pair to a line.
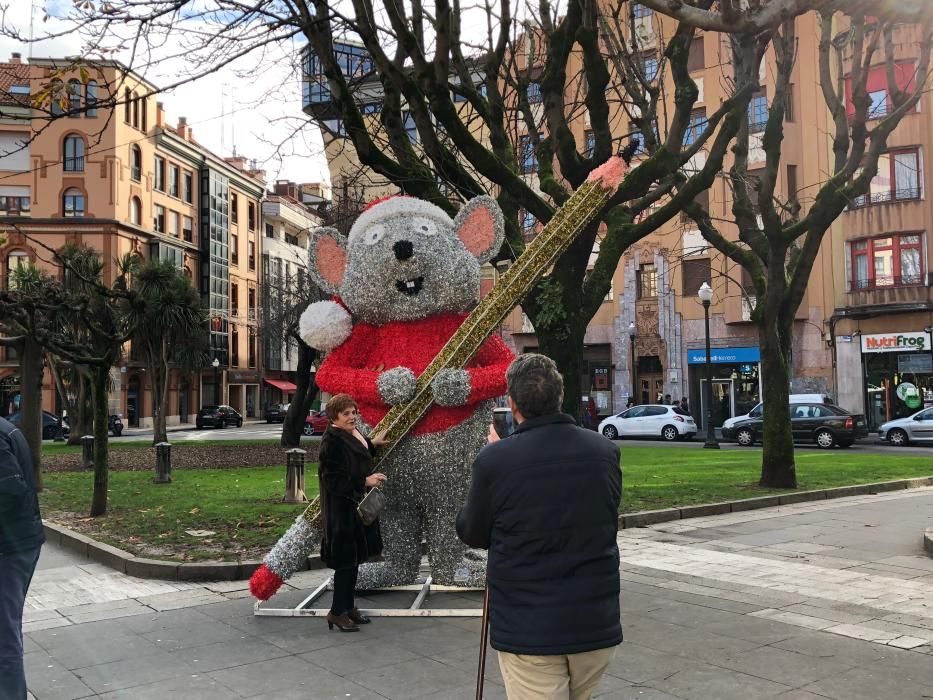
87,452
295,476
163,469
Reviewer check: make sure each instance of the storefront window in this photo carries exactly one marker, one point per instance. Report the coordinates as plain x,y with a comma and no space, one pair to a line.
897,385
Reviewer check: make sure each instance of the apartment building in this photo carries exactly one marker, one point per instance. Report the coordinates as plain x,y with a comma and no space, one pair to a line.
120,180
287,224
863,331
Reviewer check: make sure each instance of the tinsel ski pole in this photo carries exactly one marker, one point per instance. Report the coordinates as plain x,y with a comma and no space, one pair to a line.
291,552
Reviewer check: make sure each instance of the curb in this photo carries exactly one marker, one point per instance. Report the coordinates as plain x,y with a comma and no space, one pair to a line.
651,517
142,567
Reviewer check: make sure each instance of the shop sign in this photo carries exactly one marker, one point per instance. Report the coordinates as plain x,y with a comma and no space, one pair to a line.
243,377
895,342
909,394
728,356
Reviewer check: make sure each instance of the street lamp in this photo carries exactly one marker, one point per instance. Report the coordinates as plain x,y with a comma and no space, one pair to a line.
706,296
631,335
216,365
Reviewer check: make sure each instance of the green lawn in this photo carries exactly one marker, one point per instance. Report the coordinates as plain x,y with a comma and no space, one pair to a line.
242,505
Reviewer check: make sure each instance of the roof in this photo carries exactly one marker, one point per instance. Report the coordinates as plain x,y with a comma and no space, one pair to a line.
13,74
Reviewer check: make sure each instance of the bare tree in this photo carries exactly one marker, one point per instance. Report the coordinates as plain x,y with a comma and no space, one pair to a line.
778,241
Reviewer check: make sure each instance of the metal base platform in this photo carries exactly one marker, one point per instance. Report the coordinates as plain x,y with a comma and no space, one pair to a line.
304,609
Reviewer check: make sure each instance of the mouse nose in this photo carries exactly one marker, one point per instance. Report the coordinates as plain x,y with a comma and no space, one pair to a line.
403,249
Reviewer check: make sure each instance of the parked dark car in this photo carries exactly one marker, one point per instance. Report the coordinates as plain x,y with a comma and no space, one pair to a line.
275,413
315,423
824,424
49,424
218,417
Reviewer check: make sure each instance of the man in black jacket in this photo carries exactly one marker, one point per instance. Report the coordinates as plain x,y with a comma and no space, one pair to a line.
21,537
545,503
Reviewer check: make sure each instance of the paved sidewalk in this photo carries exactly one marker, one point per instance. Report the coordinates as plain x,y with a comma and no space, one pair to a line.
829,599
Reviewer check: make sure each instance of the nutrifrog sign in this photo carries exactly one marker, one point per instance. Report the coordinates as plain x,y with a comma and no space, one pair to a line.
895,342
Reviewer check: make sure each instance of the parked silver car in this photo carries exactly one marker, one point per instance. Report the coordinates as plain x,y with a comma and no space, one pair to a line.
915,428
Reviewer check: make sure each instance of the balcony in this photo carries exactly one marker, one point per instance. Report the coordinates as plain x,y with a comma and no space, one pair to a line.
908,289
904,194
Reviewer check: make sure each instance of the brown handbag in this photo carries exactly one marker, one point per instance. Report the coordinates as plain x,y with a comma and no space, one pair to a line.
371,506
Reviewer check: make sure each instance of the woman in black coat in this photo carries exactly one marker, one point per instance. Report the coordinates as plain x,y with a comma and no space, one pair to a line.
344,473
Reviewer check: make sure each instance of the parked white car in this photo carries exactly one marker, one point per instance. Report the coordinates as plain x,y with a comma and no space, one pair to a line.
649,420
915,428
759,409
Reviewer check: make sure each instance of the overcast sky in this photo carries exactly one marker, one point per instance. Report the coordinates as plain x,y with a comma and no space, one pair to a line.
257,116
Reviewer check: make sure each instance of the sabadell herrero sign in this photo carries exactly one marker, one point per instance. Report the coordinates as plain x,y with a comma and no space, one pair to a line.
895,342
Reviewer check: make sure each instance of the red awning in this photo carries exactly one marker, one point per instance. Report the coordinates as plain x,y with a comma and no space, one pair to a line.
280,384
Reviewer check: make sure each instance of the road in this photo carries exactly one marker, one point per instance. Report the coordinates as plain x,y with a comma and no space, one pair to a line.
266,431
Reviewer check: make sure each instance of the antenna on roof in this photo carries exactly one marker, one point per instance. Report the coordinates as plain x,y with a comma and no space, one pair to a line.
32,16
223,110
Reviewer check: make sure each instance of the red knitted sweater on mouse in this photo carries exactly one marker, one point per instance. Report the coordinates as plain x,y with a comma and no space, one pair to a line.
354,367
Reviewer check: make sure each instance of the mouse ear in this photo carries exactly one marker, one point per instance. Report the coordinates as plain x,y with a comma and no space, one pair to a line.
480,226
327,259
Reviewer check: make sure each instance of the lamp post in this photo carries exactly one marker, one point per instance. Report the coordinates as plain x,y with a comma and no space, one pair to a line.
631,335
706,296
216,365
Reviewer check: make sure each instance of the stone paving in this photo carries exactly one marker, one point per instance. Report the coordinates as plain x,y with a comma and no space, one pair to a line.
830,599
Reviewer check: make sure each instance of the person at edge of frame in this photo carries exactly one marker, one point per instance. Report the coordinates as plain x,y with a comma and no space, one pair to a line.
21,539
545,503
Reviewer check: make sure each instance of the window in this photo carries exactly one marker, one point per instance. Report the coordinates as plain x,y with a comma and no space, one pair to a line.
649,67
590,139
905,78
898,178
696,59
639,11
647,281
695,273
251,216
789,104
135,111
270,231
534,92
74,154
187,228
15,150
528,221
887,261
234,347
252,255
143,107
695,127
758,113
158,218
188,187
74,98
174,174
410,127
234,209
56,88
173,223
528,159
127,105
234,298
791,182
251,300
373,107
14,261
159,174
167,253
136,211
15,200
251,350
234,249
291,239
73,203
90,98
136,163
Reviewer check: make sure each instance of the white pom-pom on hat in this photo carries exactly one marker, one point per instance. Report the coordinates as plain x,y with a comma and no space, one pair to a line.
324,325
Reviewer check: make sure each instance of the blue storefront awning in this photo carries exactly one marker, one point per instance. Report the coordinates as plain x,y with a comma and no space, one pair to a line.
727,356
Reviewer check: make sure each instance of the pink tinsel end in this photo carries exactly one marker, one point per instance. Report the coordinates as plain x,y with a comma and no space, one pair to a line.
609,173
263,584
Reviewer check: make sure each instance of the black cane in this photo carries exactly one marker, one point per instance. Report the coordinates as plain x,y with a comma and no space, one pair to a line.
484,635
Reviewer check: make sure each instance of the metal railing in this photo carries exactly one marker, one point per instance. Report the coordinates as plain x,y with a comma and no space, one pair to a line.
888,281
901,194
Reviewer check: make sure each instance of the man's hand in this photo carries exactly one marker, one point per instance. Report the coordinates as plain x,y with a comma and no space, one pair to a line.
493,435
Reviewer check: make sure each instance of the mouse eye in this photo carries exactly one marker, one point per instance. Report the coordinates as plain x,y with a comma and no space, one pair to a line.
424,226
374,234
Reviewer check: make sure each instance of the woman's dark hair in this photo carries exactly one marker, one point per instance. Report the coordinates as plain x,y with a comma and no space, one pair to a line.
535,385
339,403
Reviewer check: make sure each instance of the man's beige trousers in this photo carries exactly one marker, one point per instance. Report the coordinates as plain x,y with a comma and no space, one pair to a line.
561,677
